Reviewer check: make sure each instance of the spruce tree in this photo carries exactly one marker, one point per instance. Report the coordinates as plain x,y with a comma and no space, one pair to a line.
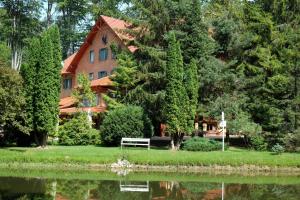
195,42
44,118
176,97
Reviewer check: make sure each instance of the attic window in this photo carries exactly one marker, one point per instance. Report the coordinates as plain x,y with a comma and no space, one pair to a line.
104,39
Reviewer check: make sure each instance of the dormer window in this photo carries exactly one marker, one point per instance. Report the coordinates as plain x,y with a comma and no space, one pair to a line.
103,54
104,39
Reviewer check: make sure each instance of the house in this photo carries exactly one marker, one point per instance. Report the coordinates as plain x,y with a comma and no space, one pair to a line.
96,59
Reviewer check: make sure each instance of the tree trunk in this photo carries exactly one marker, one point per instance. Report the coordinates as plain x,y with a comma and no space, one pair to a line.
295,96
176,140
41,139
172,143
49,15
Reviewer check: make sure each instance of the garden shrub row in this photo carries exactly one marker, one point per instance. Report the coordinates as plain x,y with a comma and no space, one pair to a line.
201,144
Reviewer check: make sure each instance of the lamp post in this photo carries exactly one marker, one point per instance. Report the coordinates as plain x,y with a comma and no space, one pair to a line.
223,125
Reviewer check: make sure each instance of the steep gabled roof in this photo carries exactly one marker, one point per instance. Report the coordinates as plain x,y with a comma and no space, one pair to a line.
116,25
67,63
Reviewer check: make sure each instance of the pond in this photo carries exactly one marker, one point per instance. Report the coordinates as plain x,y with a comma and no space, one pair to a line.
156,186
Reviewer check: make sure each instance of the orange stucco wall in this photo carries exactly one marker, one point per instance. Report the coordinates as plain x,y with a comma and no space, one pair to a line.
84,65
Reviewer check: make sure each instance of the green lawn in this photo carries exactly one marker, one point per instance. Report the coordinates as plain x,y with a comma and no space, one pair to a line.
107,155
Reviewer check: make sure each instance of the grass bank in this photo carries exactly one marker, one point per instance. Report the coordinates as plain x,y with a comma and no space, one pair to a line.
150,176
107,155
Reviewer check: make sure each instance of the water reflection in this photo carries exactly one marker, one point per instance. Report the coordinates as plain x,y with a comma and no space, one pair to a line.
37,188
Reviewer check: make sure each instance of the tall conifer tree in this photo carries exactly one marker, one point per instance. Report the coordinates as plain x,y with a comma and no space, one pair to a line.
55,71
28,72
176,97
44,118
192,87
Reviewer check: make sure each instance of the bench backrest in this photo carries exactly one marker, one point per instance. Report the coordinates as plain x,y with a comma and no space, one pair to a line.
136,139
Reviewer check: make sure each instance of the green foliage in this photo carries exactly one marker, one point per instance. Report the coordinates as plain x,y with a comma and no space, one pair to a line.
258,143
77,131
277,149
5,53
198,188
19,22
41,74
45,120
70,20
176,99
54,35
111,102
12,100
201,144
128,121
174,109
238,119
292,141
192,88
29,74
125,75
83,94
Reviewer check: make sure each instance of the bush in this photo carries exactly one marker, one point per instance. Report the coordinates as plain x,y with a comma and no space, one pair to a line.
78,132
201,144
129,121
258,143
292,142
277,149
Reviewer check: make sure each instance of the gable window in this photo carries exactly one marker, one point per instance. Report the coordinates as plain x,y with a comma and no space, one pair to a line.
104,39
67,83
103,53
91,76
102,74
92,56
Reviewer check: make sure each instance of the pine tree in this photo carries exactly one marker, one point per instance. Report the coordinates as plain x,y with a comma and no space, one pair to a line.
176,100
44,118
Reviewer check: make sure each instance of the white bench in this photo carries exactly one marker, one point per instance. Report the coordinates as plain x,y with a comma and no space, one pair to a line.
135,142
134,187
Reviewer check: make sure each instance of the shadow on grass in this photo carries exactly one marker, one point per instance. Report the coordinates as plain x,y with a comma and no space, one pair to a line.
133,147
17,150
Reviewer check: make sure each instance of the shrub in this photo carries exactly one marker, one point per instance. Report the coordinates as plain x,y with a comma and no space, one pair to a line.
258,143
277,149
292,142
201,144
77,131
129,121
